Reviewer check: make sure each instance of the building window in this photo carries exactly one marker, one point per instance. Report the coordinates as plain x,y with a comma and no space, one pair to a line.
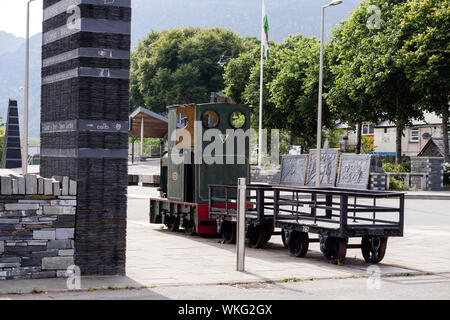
385,130
414,135
368,129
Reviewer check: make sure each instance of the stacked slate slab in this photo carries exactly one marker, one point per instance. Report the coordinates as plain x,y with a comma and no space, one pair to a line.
12,155
37,227
328,168
84,129
293,170
354,171
433,168
435,174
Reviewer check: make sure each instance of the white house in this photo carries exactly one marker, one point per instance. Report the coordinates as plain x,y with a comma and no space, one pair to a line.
415,137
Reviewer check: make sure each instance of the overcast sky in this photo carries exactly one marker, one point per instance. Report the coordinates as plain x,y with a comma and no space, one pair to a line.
13,16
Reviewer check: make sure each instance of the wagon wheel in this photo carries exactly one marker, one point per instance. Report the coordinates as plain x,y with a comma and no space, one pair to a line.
257,236
174,224
373,249
189,228
283,237
298,244
229,233
269,230
335,250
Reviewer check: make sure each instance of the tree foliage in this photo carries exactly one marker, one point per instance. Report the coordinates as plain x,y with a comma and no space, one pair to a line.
425,55
369,84
290,87
388,61
180,66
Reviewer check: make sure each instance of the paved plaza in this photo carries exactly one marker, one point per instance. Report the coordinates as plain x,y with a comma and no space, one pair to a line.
160,260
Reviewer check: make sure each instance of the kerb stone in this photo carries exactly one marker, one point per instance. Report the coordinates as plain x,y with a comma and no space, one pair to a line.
40,186
57,263
65,186
31,184
73,188
56,188
48,187
15,186
22,188
6,186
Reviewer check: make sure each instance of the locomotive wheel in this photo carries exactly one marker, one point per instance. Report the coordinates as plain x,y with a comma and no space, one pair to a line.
189,228
335,250
257,236
283,237
373,249
174,224
298,244
229,233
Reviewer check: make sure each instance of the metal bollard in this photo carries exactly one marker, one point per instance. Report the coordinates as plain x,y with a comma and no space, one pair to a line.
240,240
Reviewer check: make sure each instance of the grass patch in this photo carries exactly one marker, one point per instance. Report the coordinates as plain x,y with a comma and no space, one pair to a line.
408,274
36,291
111,288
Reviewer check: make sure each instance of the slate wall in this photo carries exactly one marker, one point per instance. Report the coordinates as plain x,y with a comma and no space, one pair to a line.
433,167
37,227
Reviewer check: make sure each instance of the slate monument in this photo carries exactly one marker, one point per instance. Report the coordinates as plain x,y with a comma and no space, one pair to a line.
354,171
328,167
12,153
85,103
293,170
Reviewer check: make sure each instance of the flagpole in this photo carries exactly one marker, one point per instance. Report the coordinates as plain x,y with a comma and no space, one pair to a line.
261,92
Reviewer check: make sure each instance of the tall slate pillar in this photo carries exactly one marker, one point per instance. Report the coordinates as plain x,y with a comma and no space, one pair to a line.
12,154
84,115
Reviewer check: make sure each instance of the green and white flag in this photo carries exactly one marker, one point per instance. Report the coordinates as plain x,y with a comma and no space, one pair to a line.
265,31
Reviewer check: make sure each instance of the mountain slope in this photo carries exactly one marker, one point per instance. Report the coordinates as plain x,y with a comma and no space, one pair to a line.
244,16
12,75
9,43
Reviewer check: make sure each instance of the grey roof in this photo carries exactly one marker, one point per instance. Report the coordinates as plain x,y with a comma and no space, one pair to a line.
429,119
149,113
439,143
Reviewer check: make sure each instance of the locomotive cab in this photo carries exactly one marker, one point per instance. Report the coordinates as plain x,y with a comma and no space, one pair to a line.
207,144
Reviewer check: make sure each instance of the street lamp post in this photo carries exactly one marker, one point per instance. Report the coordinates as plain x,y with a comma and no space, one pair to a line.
319,117
25,106
222,61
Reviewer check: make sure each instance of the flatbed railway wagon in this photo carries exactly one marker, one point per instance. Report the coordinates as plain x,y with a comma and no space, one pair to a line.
205,147
329,216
